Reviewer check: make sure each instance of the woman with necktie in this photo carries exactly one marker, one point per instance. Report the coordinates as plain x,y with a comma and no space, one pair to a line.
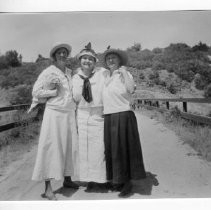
88,85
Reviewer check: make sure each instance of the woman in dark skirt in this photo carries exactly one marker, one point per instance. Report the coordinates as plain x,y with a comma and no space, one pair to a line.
123,153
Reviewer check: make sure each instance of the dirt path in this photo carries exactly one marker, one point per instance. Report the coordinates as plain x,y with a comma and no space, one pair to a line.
177,168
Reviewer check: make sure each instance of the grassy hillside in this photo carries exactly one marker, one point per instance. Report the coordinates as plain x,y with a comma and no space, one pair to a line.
169,85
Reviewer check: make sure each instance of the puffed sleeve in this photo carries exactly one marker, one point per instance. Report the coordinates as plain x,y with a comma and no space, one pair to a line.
39,91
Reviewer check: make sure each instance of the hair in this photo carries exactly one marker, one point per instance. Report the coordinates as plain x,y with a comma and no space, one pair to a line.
120,59
53,55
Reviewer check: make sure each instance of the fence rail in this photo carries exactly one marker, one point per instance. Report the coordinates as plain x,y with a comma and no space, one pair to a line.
146,102
155,103
24,122
14,107
16,124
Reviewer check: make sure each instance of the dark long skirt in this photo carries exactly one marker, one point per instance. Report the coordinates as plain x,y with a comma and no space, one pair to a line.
123,151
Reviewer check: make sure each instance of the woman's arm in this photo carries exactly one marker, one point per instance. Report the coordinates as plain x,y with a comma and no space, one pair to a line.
127,79
39,90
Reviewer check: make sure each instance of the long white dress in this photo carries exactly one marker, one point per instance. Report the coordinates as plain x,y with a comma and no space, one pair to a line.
58,142
90,124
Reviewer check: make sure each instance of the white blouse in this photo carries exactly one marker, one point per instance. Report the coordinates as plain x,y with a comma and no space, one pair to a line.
56,99
97,83
116,98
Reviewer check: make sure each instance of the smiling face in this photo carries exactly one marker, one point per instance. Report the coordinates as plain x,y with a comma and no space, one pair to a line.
112,61
61,55
87,63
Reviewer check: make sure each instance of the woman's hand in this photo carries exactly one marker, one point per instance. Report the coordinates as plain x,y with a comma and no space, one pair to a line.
123,73
125,78
53,84
54,93
122,70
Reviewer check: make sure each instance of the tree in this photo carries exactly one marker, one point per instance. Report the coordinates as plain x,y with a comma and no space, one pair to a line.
12,58
20,58
3,62
136,47
200,47
157,50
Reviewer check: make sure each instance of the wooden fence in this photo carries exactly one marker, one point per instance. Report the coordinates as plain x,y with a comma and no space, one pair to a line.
146,102
156,103
23,122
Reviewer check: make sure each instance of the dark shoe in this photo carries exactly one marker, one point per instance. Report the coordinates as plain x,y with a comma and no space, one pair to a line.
91,187
117,187
108,186
70,184
126,190
97,187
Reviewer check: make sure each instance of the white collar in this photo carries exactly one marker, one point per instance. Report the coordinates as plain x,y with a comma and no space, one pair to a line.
80,72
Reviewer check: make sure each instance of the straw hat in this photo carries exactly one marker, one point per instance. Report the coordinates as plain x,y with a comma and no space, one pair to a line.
122,55
87,51
58,46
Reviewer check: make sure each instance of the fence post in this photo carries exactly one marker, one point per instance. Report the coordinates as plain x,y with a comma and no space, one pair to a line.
150,103
167,104
185,108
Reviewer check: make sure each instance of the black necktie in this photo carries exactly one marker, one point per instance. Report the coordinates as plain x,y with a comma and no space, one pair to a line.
87,91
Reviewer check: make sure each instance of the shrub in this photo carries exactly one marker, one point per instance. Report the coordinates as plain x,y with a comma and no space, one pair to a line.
200,82
157,50
136,47
141,76
200,47
172,89
158,65
3,62
162,83
153,75
207,91
140,59
21,94
12,58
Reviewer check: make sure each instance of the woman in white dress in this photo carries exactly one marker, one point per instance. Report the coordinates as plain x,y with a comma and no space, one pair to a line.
87,92
57,148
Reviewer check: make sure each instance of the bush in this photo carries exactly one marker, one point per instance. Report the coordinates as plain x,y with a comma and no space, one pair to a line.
207,91
162,83
140,59
158,65
157,50
153,75
136,47
172,89
12,58
141,76
3,62
200,82
21,94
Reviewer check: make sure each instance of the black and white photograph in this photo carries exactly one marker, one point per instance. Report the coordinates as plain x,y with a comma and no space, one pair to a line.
105,105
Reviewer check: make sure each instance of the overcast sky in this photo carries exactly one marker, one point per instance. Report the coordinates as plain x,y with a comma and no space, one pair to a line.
33,34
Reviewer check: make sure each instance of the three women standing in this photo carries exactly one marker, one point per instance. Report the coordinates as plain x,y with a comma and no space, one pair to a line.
101,148
123,153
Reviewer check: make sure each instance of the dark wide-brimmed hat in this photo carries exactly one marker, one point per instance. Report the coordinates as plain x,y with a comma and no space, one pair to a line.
58,46
87,51
122,55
